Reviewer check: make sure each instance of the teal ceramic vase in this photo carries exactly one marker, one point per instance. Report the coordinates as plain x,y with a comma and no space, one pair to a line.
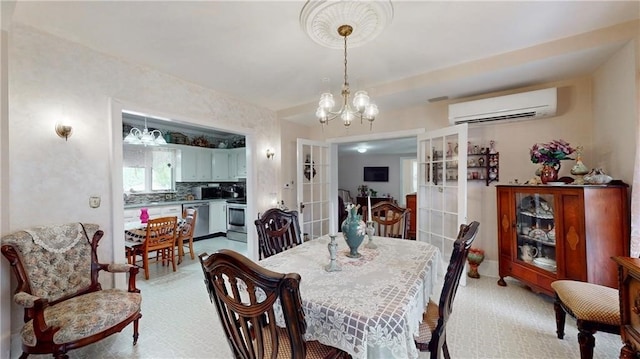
353,229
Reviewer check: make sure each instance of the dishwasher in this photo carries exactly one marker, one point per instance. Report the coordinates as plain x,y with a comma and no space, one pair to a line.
202,218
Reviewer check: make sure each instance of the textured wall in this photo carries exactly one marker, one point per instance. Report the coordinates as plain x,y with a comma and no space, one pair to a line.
50,179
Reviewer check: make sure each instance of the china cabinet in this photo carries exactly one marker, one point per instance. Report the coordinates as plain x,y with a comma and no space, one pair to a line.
411,204
549,232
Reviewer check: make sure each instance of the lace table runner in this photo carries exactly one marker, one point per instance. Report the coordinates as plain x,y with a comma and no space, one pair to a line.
370,309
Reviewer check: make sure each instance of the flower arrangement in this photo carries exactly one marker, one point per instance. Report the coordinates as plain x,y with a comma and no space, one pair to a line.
551,153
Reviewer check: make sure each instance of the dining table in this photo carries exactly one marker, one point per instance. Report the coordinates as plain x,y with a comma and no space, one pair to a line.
372,307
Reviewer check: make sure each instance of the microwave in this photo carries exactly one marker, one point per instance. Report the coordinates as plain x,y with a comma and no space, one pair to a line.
206,192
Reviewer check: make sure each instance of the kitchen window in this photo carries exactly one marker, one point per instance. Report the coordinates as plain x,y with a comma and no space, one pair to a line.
148,169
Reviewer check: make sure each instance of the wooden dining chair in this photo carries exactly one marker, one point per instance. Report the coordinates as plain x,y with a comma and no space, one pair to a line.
432,336
245,295
185,233
161,239
278,230
389,219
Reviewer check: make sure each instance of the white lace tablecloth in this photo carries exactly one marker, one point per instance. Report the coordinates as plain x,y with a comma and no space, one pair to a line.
370,309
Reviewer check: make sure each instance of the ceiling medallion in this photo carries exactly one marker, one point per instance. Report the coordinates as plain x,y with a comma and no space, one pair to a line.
320,19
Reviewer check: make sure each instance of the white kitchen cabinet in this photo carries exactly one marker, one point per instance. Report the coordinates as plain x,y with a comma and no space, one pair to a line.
204,166
132,215
193,164
221,165
238,162
217,216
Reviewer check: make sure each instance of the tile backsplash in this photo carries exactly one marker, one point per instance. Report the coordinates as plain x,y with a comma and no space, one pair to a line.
183,189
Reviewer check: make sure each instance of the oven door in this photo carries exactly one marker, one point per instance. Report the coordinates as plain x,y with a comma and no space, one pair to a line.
236,222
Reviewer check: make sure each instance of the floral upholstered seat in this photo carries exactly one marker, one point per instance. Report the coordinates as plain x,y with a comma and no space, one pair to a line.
57,268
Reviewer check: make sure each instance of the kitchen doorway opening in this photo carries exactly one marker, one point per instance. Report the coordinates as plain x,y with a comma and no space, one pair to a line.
117,108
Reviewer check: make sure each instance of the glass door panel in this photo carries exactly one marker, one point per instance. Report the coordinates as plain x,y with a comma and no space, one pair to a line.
314,180
442,190
535,226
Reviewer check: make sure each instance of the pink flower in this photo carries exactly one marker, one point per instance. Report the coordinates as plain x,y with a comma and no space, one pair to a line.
552,152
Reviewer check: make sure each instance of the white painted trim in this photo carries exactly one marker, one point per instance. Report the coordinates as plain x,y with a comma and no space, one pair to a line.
377,136
116,108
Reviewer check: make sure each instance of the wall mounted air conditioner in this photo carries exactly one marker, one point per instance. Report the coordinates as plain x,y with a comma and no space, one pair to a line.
520,106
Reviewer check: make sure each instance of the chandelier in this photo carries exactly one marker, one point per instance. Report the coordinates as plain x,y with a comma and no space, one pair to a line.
362,108
145,137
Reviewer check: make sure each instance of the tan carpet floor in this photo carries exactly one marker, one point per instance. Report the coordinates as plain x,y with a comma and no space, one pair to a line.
488,321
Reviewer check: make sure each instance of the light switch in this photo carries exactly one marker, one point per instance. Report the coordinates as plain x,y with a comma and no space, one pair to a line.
94,201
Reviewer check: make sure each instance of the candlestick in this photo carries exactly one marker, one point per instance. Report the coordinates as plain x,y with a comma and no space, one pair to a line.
331,216
369,218
370,232
333,251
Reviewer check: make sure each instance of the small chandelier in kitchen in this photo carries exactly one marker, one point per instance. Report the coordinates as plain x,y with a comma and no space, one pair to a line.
362,108
145,137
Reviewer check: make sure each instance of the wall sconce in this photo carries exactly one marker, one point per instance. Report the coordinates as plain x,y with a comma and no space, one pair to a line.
270,153
64,130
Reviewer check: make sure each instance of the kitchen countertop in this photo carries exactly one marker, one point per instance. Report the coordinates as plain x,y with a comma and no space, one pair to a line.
172,203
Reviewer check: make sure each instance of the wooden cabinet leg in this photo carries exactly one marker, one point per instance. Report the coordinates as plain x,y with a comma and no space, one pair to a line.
627,352
501,282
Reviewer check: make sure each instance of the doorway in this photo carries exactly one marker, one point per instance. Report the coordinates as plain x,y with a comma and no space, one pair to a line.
394,151
116,164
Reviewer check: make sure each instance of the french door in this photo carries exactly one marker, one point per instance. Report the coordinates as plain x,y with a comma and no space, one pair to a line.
442,186
314,187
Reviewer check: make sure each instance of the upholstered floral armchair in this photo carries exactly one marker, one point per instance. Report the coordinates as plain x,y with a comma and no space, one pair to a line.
65,308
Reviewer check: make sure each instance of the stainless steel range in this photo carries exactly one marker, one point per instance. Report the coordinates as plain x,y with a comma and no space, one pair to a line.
237,219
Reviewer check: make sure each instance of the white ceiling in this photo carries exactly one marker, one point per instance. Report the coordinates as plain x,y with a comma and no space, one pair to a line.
258,52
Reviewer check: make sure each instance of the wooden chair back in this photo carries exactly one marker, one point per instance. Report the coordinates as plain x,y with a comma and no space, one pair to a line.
161,233
389,219
278,230
160,238
244,294
466,236
185,234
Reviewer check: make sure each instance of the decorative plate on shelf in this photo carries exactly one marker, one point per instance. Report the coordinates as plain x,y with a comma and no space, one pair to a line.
545,263
556,183
552,234
538,234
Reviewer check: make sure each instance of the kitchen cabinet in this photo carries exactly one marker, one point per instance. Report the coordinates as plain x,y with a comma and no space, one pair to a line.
549,232
194,164
238,163
217,216
221,165
132,215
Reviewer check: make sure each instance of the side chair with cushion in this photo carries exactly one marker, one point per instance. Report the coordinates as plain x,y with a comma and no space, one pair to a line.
185,234
278,230
595,307
245,295
432,337
65,308
389,219
160,239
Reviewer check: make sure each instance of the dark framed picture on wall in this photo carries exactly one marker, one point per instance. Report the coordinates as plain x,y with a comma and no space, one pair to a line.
376,174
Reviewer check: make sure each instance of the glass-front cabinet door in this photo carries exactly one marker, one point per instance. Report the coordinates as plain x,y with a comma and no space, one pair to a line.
535,230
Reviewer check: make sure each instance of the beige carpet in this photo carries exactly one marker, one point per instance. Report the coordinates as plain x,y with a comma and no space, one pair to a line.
488,321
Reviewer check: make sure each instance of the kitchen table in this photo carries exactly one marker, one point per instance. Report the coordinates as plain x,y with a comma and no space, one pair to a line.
135,234
372,307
